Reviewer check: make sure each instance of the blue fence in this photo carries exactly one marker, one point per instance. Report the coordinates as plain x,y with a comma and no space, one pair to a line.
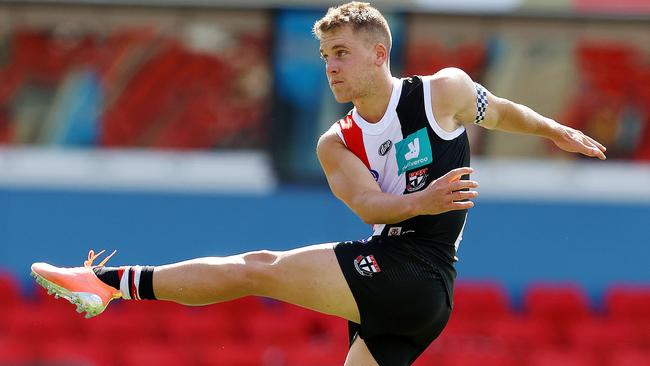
515,243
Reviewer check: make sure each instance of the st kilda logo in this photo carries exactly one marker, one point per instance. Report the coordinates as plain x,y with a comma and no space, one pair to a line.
366,266
385,147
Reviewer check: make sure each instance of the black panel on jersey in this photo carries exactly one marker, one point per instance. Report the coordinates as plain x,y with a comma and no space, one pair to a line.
439,231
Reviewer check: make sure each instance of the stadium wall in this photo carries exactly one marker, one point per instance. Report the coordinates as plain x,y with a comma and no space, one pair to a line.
520,232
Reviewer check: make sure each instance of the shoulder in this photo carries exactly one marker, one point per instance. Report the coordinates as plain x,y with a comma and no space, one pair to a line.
451,82
453,93
333,137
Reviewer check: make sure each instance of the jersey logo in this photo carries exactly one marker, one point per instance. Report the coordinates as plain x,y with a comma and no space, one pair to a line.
417,180
385,147
366,266
413,151
375,174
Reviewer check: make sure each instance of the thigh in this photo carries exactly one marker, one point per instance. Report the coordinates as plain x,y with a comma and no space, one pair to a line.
312,278
359,355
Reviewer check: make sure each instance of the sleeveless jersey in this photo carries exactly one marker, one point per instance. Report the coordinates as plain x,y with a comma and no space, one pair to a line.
405,151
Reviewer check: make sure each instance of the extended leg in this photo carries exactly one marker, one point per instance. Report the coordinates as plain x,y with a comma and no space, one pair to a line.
308,277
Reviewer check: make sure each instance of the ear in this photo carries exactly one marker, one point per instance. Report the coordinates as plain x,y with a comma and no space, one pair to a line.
381,54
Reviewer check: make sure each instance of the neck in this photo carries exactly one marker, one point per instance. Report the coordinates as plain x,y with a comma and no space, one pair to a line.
374,104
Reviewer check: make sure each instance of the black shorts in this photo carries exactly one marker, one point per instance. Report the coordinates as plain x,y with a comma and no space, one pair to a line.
404,302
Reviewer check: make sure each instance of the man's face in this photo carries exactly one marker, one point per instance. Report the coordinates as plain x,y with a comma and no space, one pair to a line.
349,63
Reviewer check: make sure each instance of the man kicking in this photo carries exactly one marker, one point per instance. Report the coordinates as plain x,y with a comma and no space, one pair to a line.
400,160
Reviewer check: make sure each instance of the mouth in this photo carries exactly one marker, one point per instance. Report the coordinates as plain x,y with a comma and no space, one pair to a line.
335,82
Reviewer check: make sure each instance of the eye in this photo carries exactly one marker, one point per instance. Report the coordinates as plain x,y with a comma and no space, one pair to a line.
341,53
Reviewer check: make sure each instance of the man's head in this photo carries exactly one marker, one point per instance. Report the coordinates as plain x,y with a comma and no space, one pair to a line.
355,43
361,17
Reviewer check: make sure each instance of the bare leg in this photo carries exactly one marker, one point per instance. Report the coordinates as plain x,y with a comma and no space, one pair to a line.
359,355
309,277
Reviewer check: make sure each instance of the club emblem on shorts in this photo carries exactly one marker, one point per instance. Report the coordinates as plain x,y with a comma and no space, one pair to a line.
416,180
385,147
366,266
395,231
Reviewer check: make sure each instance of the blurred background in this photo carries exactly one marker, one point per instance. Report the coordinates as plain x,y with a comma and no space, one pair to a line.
175,129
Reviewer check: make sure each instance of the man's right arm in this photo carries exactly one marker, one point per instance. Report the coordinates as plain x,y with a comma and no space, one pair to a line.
353,184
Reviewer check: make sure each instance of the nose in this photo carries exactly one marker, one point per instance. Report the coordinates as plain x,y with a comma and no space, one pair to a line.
332,68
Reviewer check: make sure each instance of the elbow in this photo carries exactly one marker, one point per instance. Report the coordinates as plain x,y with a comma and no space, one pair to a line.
360,208
365,216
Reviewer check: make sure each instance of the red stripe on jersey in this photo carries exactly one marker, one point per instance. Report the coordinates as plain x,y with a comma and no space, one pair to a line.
354,138
120,273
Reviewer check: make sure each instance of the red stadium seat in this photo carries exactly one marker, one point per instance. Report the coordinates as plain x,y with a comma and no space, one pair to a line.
333,329
36,323
555,357
16,352
9,289
199,327
239,354
431,358
276,328
628,303
562,303
140,352
602,64
314,354
66,352
602,336
240,308
629,357
480,301
116,321
484,358
521,334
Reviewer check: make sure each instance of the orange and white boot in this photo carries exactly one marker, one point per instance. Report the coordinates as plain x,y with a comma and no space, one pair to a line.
79,285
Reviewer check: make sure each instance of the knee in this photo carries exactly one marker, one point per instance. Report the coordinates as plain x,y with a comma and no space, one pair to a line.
259,267
261,257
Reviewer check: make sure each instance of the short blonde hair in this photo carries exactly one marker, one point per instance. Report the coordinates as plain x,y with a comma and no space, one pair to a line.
361,16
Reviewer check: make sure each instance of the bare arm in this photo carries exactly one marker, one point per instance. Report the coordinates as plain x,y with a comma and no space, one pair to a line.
458,92
353,184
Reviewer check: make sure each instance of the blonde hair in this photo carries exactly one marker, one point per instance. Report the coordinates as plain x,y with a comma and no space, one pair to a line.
361,16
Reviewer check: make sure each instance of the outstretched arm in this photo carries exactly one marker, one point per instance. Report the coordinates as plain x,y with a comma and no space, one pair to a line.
455,93
352,183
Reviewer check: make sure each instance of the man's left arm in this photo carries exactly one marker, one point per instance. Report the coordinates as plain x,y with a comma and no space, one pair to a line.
472,103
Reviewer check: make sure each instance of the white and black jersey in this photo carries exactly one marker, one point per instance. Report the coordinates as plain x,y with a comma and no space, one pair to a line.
405,151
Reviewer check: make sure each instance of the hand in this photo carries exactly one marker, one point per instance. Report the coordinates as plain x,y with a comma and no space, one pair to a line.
572,140
444,194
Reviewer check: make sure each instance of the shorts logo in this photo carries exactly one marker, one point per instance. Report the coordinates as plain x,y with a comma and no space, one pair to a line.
366,266
385,147
413,151
375,174
395,231
417,180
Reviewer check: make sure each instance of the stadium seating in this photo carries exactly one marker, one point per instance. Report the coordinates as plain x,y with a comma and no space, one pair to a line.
480,301
9,289
628,303
558,303
557,327
15,351
201,107
629,357
562,357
